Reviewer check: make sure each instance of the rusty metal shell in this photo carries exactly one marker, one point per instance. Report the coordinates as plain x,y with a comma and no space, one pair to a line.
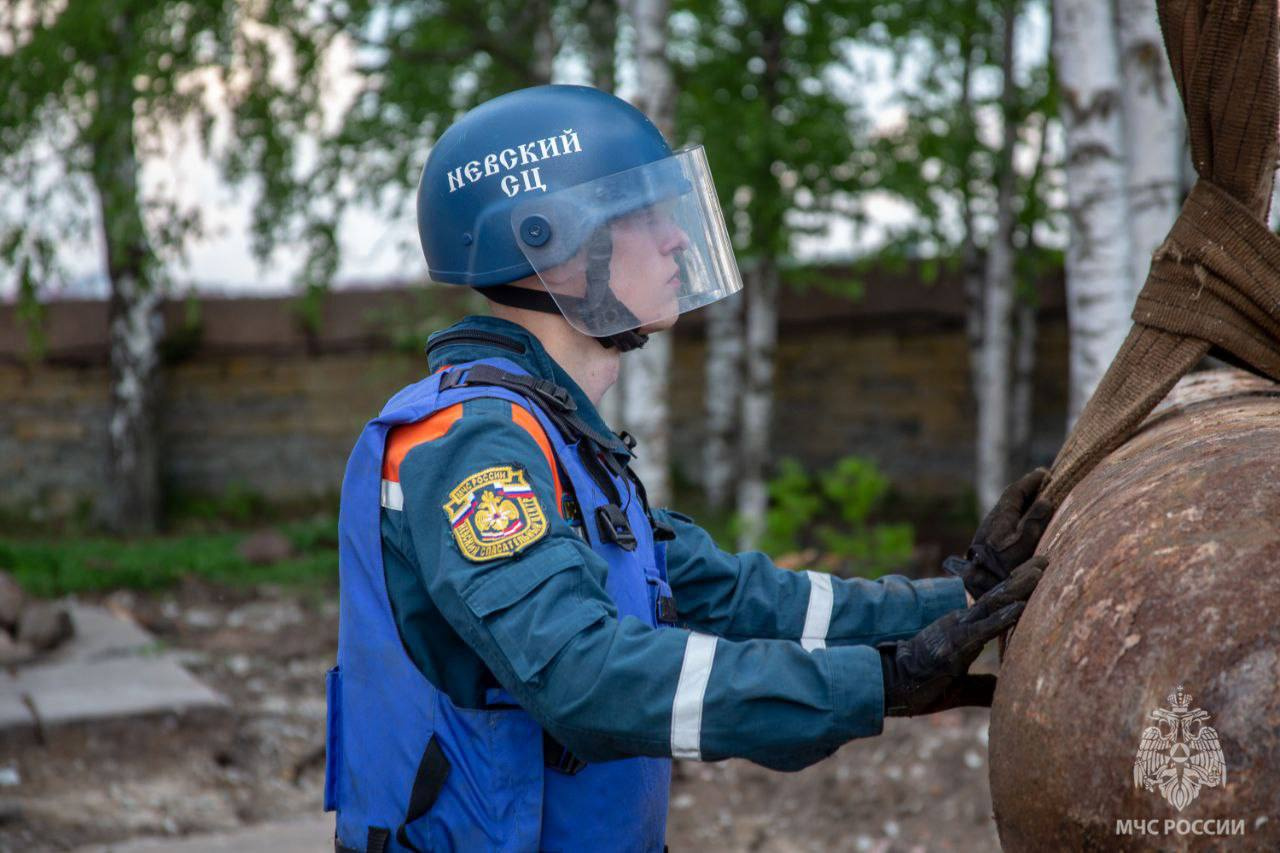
1164,571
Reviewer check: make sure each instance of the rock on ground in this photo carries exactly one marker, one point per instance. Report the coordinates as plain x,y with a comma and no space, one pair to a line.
43,625
11,601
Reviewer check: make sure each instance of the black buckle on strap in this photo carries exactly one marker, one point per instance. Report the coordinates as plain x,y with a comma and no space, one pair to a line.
549,392
553,392
556,756
612,524
451,379
667,610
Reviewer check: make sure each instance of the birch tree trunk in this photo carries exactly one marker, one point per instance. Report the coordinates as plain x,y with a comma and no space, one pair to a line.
723,395
971,264
1155,130
1024,368
993,391
646,373
767,216
134,320
602,36
544,42
1098,260
761,306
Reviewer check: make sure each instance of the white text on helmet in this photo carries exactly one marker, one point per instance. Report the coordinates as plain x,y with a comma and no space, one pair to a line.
509,158
532,179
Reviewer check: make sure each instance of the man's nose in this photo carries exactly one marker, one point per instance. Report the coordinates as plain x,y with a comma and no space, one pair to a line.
672,238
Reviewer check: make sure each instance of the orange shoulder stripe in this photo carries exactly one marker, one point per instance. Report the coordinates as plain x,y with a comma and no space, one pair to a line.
523,418
405,437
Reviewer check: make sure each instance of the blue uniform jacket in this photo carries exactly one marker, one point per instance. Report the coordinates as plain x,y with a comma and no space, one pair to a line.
793,674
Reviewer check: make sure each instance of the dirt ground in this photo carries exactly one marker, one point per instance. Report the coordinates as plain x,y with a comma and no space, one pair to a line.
920,786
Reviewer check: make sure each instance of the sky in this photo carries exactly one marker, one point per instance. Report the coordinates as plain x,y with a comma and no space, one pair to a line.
378,245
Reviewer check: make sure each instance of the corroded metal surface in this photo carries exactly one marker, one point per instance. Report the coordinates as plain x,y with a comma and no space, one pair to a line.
1164,571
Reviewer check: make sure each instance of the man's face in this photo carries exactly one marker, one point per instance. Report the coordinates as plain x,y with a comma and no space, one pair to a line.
644,271
644,267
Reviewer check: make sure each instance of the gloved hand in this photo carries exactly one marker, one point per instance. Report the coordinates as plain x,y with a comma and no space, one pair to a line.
929,672
1007,537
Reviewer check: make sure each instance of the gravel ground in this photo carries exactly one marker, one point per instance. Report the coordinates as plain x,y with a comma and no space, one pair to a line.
922,785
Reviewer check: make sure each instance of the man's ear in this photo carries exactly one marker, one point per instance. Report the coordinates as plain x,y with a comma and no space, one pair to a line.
569,278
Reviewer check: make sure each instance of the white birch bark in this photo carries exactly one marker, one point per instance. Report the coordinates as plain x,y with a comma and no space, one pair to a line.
646,373
993,391
135,324
647,415
1155,130
761,305
723,393
1098,260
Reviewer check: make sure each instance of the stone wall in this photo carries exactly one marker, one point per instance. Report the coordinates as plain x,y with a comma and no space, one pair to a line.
253,401
899,396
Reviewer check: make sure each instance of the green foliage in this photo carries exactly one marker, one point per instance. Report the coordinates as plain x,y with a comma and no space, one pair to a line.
54,567
763,85
794,503
418,67
90,87
239,504
945,157
834,510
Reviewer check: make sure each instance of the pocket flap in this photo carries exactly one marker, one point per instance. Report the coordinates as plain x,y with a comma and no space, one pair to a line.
533,606
515,579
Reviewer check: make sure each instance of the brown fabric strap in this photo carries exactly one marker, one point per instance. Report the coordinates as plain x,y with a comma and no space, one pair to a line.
1216,279
1124,397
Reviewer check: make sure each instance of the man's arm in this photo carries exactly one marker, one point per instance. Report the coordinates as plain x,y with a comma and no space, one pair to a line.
604,686
746,596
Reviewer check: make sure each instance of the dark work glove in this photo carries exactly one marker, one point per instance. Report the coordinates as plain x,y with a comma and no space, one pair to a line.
929,672
1007,537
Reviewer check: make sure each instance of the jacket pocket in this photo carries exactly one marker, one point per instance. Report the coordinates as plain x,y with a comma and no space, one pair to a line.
533,606
333,737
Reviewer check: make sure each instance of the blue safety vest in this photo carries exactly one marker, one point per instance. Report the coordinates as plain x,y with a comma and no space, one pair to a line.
406,768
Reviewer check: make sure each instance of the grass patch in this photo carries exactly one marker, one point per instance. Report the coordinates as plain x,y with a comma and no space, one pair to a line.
53,567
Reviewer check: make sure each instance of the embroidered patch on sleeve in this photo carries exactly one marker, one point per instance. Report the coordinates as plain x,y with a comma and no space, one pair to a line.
494,513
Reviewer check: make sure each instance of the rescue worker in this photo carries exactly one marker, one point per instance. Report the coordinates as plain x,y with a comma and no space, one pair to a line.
525,643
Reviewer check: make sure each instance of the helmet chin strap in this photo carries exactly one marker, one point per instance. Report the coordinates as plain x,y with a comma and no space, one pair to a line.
601,307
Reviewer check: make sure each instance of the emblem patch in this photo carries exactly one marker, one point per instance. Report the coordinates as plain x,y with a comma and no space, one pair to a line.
494,513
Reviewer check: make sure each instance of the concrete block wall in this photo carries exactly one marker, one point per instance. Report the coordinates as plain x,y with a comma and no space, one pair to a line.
263,408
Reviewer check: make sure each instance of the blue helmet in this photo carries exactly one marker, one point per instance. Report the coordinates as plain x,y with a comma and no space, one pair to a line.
537,140
578,187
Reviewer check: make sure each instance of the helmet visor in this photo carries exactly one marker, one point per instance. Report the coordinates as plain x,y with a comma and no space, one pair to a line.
631,250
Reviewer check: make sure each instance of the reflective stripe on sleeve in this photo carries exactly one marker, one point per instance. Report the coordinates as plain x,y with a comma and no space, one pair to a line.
686,709
817,619
392,495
